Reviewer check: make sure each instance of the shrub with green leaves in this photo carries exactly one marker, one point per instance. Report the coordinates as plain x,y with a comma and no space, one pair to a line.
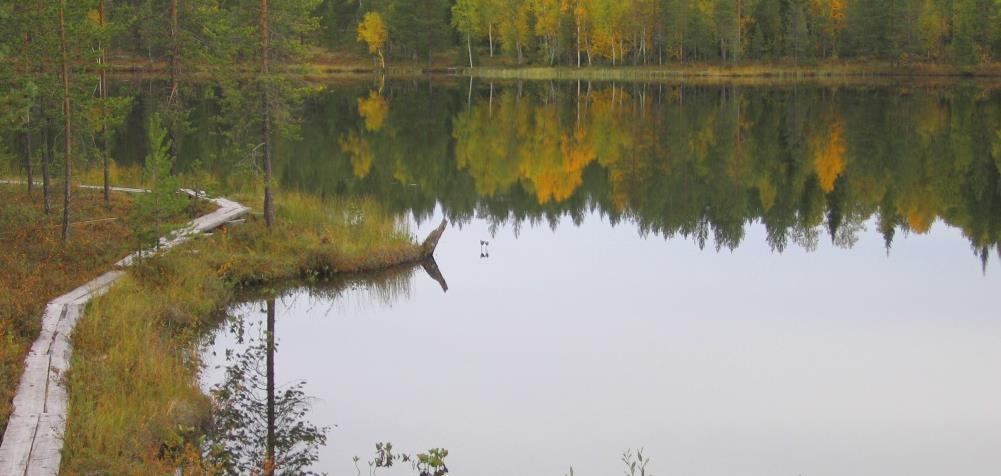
163,200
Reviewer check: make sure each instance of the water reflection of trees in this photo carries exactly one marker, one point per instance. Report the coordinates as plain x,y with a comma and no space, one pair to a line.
698,162
259,427
810,163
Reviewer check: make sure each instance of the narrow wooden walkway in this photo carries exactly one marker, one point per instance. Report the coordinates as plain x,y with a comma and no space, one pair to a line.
32,444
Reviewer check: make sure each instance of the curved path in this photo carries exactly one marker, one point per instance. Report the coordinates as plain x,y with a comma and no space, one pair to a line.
33,441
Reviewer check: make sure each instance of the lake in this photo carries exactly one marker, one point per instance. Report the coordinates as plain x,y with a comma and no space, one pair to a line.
783,279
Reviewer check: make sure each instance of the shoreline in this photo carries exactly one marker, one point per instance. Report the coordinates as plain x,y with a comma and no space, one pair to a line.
319,67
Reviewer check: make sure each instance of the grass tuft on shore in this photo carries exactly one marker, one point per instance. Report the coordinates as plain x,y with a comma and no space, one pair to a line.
135,403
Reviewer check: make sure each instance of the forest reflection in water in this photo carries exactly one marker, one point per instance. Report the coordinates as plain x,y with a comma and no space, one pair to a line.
810,162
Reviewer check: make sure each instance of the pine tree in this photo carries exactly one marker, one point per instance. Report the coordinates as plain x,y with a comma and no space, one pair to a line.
964,48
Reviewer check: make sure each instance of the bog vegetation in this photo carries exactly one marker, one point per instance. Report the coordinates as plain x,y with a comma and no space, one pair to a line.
37,267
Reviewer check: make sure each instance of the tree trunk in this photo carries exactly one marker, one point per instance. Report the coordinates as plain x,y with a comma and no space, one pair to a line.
174,100
26,68
269,457
643,45
67,129
469,47
736,39
174,62
27,159
103,87
269,209
46,159
490,33
578,43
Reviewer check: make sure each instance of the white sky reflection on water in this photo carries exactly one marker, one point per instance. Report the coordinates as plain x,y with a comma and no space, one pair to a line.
568,347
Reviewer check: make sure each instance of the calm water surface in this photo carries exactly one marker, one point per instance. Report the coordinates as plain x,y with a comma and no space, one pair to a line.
755,281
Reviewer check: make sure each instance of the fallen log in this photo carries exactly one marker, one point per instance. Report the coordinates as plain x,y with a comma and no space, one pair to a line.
431,268
416,254
431,242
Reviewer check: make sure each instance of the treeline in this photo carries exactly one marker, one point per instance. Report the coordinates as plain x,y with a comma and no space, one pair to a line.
539,32
57,110
635,32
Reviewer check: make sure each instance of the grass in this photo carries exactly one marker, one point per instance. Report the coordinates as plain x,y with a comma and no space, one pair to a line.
779,70
37,266
135,404
322,62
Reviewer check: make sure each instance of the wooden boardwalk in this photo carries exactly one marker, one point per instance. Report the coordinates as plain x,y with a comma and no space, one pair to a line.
32,444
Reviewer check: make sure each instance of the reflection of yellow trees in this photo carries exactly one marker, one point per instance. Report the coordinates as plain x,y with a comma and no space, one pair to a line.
374,110
829,155
577,152
616,135
918,207
551,162
679,164
483,146
503,145
360,152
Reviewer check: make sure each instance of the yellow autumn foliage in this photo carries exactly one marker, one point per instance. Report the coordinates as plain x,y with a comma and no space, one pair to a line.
374,109
829,156
373,32
360,153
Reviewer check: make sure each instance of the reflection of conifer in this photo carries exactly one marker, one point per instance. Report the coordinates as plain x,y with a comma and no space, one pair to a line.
835,210
258,428
889,218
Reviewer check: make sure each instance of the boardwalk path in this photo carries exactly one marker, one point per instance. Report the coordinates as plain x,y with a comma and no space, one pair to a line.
33,441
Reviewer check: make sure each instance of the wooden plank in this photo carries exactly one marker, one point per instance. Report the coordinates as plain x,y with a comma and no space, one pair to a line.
17,441
30,396
60,350
88,187
197,226
46,452
86,290
99,286
53,312
43,342
114,189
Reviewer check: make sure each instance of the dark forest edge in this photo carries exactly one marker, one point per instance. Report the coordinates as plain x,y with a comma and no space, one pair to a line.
773,36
